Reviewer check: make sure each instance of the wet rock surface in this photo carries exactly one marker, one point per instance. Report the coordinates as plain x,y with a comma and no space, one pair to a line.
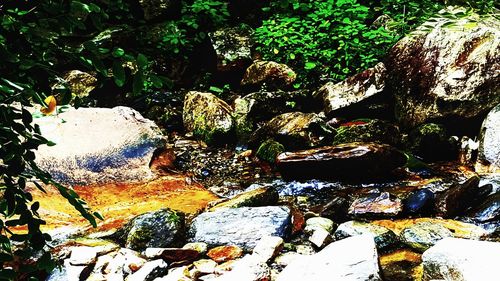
341,162
274,75
489,147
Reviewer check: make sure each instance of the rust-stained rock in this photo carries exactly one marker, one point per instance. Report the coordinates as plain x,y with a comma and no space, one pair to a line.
352,90
401,265
207,116
447,68
273,74
376,205
294,130
225,253
459,229
263,196
345,161
458,198
489,143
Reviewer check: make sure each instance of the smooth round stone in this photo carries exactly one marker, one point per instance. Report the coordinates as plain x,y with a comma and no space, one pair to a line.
422,236
419,202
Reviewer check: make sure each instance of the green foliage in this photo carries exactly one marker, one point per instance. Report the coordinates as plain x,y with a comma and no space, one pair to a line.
333,39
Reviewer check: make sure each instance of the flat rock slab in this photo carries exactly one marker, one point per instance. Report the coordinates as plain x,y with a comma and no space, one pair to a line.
353,258
461,259
98,145
351,161
243,227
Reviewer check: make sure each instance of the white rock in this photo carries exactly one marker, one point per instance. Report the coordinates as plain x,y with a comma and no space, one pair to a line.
489,146
98,145
287,258
200,247
149,271
268,247
462,260
318,223
123,263
249,268
353,258
320,238
205,266
176,274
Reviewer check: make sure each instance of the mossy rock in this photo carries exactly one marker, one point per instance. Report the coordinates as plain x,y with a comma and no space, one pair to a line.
431,142
269,149
158,229
373,130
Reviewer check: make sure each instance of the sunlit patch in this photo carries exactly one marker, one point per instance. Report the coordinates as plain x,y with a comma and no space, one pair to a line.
51,105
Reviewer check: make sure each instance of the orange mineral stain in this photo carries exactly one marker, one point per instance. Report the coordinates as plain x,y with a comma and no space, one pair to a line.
51,105
118,202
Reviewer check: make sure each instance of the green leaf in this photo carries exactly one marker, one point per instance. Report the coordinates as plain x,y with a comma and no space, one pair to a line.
138,83
142,61
118,52
157,82
118,73
309,65
216,89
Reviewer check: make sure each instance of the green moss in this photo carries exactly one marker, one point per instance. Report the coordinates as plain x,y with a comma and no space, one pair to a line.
269,149
371,131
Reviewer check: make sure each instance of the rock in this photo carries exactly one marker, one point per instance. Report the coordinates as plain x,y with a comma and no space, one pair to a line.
125,262
458,228
200,247
263,196
294,130
422,236
431,142
353,90
205,266
269,150
489,143
125,148
336,209
401,265
305,250
493,179
98,272
446,69
177,274
345,161
287,258
320,238
158,229
274,75
268,247
149,271
249,268
240,226
233,48
154,9
315,223
84,255
353,258
376,205
385,239
373,130
79,83
460,259
419,202
458,198
70,272
225,253
171,255
489,210
208,117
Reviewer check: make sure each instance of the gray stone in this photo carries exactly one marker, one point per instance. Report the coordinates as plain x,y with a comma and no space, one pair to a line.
320,237
376,205
353,90
240,226
488,160
421,236
149,271
274,75
462,260
384,238
125,262
446,69
98,145
158,229
207,117
249,268
315,223
353,258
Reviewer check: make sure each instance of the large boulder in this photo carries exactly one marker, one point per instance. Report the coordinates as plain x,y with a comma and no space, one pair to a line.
158,229
460,259
294,130
489,143
373,130
98,145
446,69
352,91
345,161
274,75
207,116
353,258
431,142
233,46
243,226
